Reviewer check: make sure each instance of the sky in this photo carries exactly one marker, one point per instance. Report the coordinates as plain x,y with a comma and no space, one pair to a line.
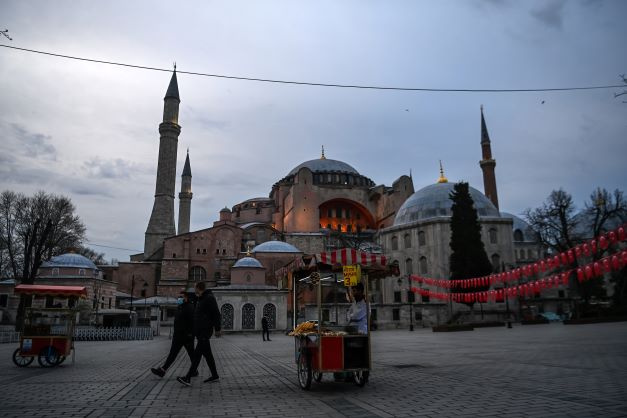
90,131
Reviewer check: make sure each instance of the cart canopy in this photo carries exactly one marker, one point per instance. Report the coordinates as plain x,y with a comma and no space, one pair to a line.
348,256
49,290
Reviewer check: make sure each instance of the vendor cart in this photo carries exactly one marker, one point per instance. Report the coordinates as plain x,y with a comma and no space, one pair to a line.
47,333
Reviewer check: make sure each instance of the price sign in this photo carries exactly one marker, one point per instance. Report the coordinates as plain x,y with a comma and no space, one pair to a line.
352,275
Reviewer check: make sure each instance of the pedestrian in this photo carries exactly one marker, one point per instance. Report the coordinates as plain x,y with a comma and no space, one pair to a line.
265,328
358,311
183,331
206,320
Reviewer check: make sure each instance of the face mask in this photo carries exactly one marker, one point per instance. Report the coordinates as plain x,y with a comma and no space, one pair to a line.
179,301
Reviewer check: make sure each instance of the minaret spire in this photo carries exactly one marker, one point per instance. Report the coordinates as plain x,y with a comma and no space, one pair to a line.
322,157
442,178
185,197
161,224
488,164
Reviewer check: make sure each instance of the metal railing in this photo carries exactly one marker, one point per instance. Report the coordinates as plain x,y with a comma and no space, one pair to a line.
112,334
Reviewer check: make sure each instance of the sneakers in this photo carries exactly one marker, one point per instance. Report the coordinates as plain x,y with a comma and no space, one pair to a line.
159,372
184,380
212,379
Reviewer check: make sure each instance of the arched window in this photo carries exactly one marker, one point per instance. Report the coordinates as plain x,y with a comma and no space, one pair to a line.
492,233
197,274
421,238
55,271
248,316
423,265
227,316
269,311
409,268
261,236
496,263
407,241
394,243
518,235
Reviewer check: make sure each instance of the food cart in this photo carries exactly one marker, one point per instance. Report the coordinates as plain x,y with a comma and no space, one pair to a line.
322,348
47,333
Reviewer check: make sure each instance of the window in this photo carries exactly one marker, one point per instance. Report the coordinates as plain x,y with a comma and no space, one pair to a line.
223,251
397,296
373,314
173,255
49,301
226,312
55,271
560,293
204,251
418,316
425,299
338,212
492,233
329,213
258,210
197,274
496,263
407,241
197,250
394,243
109,303
530,255
81,272
248,316
328,226
411,297
269,311
518,235
423,265
325,315
396,314
4,300
421,238
409,268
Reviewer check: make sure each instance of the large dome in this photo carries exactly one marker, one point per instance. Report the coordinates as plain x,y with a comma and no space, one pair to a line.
275,247
70,260
324,165
433,201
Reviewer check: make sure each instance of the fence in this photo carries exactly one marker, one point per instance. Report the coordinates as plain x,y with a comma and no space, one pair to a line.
112,334
93,334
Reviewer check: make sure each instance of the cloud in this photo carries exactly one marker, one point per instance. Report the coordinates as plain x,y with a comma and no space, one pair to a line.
113,168
551,13
21,141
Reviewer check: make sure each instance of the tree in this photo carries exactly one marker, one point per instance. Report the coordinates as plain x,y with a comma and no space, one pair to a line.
468,257
624,92
33,229
554,222
96,257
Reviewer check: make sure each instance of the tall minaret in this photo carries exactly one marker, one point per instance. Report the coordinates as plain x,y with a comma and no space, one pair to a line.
487,164
161,224
185,197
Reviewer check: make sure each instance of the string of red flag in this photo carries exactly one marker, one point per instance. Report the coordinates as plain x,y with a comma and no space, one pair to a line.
564,259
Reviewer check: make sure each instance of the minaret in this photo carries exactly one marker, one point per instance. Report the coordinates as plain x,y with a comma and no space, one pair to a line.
161,224
487,164
185,197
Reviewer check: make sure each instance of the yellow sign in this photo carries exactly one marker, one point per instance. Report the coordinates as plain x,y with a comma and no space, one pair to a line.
352,275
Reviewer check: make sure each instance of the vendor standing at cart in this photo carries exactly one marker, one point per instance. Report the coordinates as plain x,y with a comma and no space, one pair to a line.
358,311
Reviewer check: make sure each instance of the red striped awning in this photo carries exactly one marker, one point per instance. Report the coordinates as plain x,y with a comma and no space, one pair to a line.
350,256
49,290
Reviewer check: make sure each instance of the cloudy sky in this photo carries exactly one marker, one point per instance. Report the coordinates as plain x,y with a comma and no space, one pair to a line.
90,131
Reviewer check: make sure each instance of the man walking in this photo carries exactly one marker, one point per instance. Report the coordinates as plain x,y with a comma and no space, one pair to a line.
183,331
265,328
206,319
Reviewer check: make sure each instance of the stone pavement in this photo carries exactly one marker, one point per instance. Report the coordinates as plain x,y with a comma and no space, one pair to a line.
528,371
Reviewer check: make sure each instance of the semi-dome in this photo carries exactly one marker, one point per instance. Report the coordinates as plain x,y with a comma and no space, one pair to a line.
433,201
275,247
323,165
70,260
521,229
247,262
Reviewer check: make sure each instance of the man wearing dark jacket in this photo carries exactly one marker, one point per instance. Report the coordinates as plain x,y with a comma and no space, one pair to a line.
206,319
183,331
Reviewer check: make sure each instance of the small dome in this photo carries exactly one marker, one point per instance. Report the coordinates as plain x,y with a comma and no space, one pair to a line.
70,260
275,247
433,201
225,209
324,165
247,262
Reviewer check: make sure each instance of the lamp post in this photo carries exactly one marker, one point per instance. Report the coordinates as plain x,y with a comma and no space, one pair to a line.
509,319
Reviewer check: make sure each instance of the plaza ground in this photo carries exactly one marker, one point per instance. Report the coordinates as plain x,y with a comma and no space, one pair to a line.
528,371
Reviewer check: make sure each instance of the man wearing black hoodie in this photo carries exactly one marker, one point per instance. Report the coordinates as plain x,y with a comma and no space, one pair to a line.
183,335
206,319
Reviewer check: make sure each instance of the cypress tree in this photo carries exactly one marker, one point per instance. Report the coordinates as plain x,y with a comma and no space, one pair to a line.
468,256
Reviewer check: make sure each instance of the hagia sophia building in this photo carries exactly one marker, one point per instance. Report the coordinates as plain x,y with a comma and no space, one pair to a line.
319,205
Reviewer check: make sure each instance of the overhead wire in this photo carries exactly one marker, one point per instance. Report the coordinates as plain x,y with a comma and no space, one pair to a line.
314,84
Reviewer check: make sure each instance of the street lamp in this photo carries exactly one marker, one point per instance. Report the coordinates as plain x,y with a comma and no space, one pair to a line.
409,300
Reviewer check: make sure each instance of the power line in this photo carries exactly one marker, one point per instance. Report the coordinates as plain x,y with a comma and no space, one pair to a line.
115,248
307,83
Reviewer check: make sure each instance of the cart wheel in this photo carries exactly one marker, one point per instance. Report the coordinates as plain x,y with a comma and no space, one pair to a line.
61,360
317,376
304,371
361,377
21,361
48,357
